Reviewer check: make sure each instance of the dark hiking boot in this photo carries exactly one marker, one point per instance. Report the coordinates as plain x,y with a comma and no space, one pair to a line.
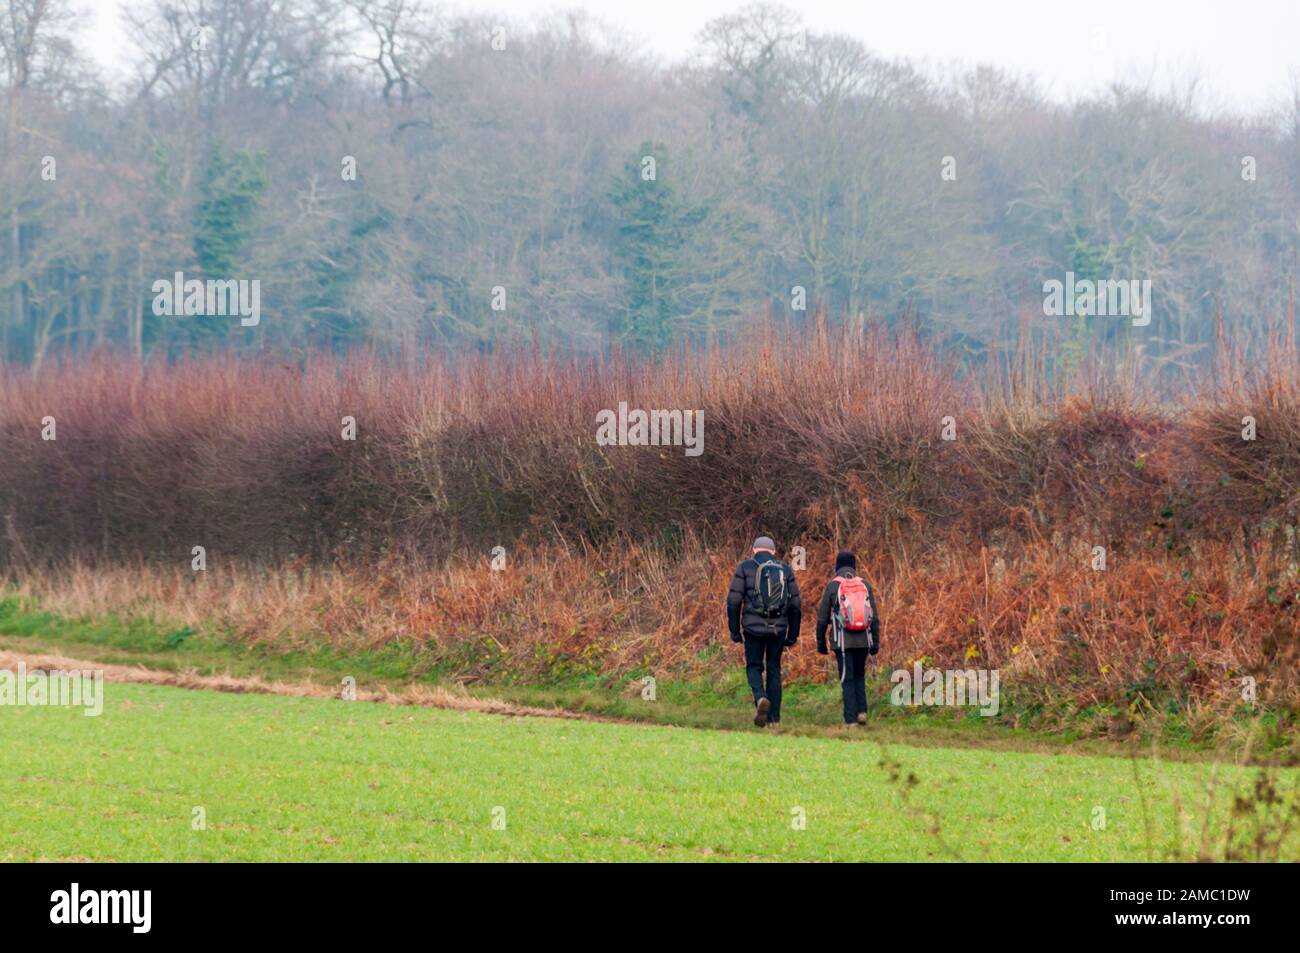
760,712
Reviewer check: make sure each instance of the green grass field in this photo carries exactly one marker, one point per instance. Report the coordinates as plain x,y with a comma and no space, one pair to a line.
284,778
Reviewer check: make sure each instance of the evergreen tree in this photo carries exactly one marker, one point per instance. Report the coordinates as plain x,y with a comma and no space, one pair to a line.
653,227
228,196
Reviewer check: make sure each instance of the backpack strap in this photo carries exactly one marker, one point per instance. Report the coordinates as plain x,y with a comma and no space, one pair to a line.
837,635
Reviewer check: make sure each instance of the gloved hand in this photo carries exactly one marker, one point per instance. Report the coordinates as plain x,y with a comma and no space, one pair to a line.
735,637
791,641
821,649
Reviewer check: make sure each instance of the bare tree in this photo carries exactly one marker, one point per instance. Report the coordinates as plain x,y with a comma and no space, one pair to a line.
398,37
209,52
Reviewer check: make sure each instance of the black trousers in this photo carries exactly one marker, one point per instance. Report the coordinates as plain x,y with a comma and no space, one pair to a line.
760,652
853,682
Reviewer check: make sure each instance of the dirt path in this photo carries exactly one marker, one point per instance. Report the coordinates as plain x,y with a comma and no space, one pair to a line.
424,696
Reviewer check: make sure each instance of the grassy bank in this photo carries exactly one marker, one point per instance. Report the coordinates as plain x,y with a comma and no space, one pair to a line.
719,701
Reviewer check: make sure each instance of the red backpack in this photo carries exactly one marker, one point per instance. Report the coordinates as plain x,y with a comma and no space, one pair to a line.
854,613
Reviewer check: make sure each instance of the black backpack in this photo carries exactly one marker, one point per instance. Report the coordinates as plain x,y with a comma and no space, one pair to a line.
769,597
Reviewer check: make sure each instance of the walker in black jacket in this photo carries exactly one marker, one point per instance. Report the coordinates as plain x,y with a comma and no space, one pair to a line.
765,637
851,648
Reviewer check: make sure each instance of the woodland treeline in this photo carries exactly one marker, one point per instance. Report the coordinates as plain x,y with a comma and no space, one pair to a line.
397,177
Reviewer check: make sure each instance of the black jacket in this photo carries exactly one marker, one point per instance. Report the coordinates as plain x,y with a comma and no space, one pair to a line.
853,640
742,617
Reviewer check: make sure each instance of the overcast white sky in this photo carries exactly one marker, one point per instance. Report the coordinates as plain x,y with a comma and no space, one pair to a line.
1246,53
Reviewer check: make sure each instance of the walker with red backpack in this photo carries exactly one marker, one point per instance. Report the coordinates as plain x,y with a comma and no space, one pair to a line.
852,611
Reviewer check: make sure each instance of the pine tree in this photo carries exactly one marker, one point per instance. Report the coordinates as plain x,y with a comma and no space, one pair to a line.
653,224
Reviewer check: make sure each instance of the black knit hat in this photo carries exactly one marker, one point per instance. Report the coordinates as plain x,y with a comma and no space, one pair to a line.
845,559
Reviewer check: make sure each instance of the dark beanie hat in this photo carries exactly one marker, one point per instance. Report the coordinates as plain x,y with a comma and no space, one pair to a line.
845,559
